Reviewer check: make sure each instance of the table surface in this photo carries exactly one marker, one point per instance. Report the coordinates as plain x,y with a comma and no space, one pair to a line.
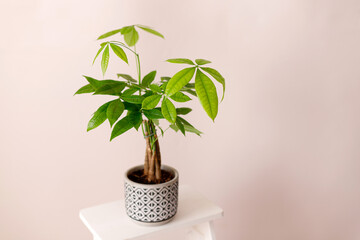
110,222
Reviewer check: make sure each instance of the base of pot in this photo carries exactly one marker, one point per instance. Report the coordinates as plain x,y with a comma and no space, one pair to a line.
152,224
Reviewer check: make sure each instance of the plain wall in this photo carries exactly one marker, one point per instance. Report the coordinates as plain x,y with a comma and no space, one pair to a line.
282,158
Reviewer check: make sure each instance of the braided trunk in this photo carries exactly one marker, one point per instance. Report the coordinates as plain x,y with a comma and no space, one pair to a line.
152,164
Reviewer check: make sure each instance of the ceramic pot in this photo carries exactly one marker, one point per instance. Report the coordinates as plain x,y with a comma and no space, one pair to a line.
151,204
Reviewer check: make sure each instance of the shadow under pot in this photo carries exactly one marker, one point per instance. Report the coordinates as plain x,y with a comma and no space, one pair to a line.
151,204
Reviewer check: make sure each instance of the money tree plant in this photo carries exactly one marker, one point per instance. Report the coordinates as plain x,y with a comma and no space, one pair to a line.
145,100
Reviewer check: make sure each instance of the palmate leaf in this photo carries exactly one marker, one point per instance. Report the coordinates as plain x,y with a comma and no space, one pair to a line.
108,34
181,61
180,97
121,127
149,78
179,80
151,102
215,74
114,111
150,30
207,95
105,60
119,52
202,61
99,117
131,36
85,89
168,110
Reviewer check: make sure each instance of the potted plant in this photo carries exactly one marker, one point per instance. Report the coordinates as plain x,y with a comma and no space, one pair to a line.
151,189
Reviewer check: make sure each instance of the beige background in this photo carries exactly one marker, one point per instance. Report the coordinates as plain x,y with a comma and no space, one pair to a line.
282,158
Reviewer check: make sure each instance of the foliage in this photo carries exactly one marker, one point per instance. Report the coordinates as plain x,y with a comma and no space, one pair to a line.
138,99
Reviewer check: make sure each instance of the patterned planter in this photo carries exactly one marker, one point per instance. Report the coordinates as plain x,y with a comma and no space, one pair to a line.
151,204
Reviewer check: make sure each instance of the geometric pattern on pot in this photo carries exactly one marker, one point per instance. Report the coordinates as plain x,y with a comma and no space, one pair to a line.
150,205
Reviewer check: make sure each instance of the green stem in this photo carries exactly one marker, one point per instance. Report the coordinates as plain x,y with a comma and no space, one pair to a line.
123,45
138,67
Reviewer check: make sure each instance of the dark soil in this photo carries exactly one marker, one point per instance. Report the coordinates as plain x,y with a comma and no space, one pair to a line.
139,177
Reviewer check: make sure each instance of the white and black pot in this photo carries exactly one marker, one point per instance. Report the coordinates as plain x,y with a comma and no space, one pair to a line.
151,204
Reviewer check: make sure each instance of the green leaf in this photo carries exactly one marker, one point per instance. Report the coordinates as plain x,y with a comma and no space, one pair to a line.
192,130
121,127
97,54
161,130
202,61
133,99
131,37
114,111
183,111
135,119
119,52
174,127
180,97
126,29
153,113
99,117
93,82
181,61
179,80
108,34
127,77
215,74
99,83
130,91
150,30
105,60
137,86
192,92
180,125
190,85
168,110
163,86
110,89
207,95
151,102
189,128
149,78
165,79
132,107
85,89
155,88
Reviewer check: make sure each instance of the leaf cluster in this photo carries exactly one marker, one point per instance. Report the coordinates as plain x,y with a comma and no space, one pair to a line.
137,100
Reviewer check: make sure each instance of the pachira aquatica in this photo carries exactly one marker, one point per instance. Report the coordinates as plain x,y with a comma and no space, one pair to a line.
140,102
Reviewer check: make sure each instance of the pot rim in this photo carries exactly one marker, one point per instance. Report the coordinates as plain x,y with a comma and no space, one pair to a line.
156,185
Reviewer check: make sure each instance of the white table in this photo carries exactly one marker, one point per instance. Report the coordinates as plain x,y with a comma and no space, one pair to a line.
110,222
